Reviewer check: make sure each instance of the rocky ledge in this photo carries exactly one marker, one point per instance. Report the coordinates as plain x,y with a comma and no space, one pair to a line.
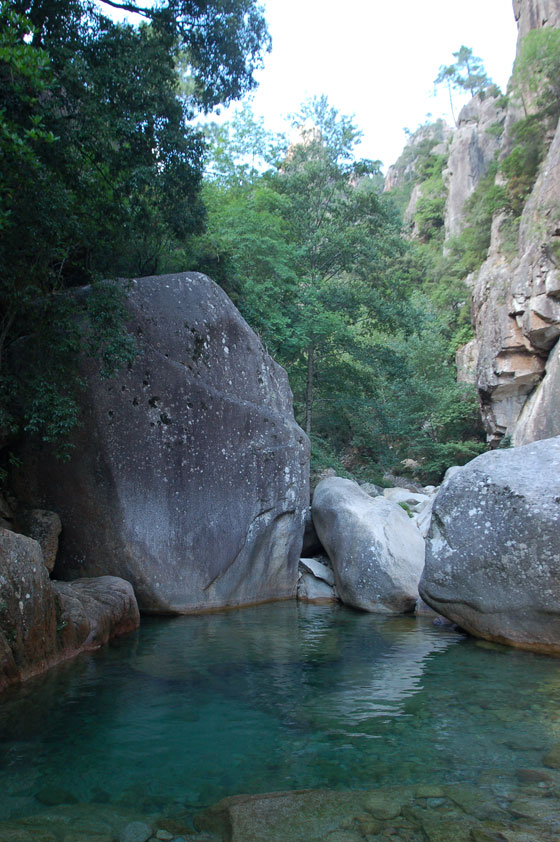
44,622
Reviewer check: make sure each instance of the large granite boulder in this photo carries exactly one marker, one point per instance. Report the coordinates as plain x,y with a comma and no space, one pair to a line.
189,476
376,551
91,611
493,551
27,609
44,622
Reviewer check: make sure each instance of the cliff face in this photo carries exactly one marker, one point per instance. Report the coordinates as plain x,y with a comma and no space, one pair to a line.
514,357
516,296
404,178
532,14
472,150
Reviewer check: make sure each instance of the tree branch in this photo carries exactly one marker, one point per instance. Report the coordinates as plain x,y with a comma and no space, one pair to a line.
129,7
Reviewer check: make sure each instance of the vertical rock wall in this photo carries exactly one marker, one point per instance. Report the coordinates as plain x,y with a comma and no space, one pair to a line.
473,148
513,358
516,295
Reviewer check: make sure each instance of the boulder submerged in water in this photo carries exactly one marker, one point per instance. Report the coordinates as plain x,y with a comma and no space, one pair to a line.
376,550
189,476
493,551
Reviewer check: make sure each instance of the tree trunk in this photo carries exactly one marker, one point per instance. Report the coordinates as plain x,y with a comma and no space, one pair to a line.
451,103
309,391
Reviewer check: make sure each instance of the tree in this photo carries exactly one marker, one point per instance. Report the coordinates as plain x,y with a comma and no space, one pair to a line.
309,245
100,171
311,251
344,233
466,74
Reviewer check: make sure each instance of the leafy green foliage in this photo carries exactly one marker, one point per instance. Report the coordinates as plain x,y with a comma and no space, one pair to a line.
536,84
467,73
310,244
521,166
100,175
313,255
429,215
537,71
414,163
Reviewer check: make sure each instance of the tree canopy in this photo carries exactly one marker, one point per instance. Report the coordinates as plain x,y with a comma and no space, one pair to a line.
467,73
100,168
311,251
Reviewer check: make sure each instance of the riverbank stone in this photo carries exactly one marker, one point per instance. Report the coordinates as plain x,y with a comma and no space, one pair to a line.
493,550
376,551
43,622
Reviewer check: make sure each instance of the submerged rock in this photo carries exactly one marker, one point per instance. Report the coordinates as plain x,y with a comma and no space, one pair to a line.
376,551
493,552
189,476
301,815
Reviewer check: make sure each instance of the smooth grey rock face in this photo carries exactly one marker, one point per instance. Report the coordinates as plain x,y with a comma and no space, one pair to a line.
424,517
471,152
413,499
493,551
28,609
376,551
311,589
190,476
317,569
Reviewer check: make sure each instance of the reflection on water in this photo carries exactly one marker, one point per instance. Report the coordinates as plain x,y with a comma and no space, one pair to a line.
189,710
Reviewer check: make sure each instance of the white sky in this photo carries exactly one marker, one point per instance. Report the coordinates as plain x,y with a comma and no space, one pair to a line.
377,60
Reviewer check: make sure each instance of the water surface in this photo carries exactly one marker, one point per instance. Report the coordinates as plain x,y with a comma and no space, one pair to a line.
285,696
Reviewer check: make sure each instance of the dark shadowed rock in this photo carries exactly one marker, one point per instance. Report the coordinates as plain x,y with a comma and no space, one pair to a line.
190,476
27,609
44,622
44,527
94,610
376,551
493,551
311,544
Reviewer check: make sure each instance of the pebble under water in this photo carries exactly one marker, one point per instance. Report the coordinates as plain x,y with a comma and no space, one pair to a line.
286,696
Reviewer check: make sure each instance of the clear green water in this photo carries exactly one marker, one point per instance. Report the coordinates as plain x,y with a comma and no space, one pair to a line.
191,709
